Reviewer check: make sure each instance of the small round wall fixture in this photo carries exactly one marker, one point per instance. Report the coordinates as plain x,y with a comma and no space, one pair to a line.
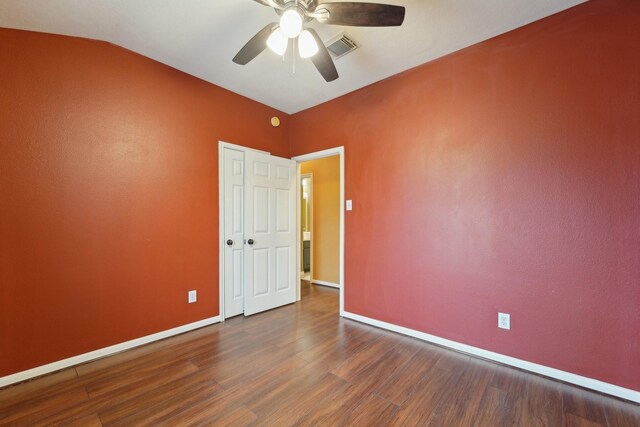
275,122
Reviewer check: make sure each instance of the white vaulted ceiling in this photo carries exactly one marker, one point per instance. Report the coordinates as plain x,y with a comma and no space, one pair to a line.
200,37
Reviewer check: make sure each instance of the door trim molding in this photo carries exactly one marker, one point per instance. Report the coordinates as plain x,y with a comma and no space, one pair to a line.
337,151
564,376
221,146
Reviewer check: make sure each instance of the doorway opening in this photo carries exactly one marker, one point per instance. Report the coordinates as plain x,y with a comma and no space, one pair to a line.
306,222
260,229
321,220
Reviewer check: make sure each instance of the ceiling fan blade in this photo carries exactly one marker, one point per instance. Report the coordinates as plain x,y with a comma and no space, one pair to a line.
360,14
322,59
255,46
270,3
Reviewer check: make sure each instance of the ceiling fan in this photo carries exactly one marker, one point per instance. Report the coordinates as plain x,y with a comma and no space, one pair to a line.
294,14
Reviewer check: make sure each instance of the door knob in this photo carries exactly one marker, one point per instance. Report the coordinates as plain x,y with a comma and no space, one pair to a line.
230,242
250,242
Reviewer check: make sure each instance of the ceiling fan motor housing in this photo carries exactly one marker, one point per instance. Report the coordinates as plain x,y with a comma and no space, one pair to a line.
305,4
304,8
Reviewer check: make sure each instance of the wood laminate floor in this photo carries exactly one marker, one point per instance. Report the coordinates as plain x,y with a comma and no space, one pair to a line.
302,365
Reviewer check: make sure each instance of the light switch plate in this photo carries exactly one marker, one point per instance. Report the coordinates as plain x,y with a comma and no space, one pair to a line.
349,205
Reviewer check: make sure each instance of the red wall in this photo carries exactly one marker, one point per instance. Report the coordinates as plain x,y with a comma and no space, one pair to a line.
504,177
109,194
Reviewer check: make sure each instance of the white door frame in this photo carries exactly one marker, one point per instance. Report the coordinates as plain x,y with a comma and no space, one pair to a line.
221,244
337,151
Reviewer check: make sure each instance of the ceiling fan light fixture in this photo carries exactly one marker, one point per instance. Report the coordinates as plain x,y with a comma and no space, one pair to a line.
278,42
295,13
291,23
307,46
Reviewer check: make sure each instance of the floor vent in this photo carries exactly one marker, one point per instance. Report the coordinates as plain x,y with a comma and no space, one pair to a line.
341,45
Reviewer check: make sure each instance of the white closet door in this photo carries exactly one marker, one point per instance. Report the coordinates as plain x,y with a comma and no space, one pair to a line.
270,195
234,232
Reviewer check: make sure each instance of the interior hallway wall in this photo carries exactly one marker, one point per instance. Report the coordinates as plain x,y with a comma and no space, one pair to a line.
326,217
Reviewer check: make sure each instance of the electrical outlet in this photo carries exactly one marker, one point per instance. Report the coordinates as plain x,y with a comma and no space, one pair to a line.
504,321
192,297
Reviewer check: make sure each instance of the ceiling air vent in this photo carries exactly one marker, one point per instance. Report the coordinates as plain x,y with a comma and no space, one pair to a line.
341,45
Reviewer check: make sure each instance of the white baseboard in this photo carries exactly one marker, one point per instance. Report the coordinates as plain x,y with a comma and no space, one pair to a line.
96,354
323,283
567,377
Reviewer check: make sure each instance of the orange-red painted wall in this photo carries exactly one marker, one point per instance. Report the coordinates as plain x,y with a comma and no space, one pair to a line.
504,177
109,194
